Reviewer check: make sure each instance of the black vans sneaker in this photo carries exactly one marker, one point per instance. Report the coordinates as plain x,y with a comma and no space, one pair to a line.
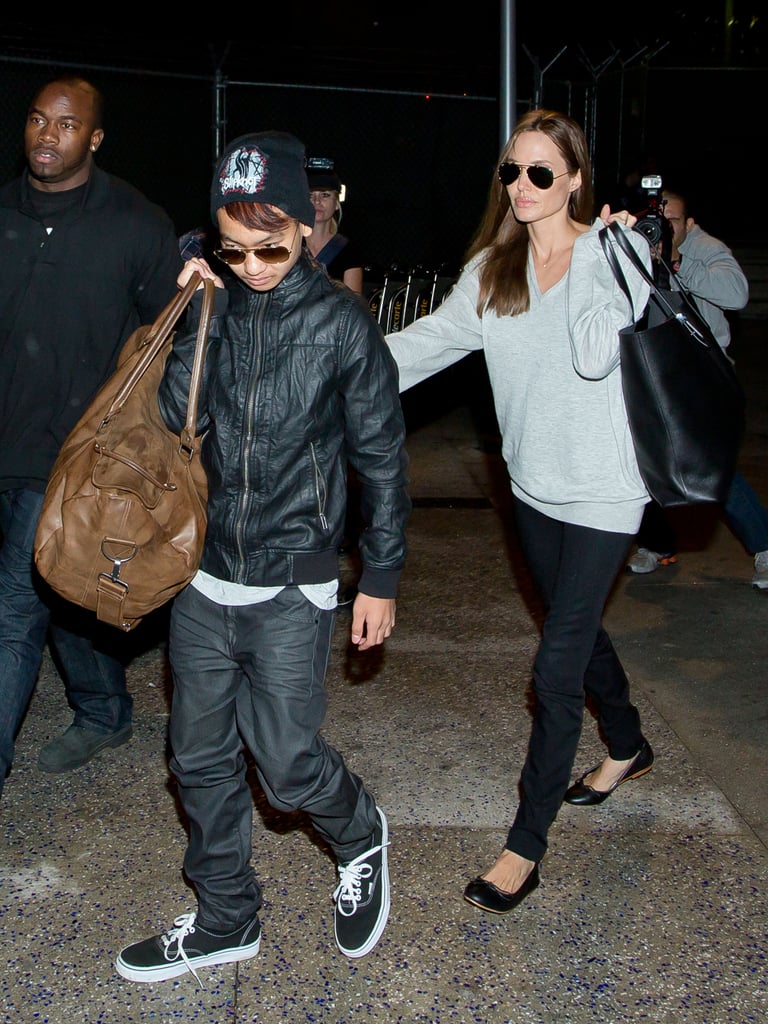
185,947
362,896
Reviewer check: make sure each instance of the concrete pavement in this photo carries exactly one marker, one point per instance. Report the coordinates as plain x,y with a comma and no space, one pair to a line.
652,906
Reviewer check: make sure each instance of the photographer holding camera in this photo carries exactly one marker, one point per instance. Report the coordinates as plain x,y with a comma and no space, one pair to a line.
707,268
657,229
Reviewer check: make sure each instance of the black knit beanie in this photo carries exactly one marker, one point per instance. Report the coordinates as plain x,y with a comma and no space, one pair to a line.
266,167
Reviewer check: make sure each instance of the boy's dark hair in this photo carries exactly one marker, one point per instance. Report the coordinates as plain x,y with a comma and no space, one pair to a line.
257,216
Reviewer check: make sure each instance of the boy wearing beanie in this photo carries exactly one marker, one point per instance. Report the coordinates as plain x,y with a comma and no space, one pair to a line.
298,383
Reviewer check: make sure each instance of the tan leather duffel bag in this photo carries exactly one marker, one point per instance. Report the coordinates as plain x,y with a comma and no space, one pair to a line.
124,516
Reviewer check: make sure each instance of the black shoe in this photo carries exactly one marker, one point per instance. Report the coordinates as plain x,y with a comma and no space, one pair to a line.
77,746
186,947
583,795
487,896
362,896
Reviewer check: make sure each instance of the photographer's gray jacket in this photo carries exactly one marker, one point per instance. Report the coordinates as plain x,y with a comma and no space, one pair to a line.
711,273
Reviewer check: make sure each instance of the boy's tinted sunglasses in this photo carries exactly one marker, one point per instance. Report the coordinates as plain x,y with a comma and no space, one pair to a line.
539,177
233,256
268,254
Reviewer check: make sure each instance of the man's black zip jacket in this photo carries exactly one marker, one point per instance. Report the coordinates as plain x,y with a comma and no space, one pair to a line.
68,302
298,382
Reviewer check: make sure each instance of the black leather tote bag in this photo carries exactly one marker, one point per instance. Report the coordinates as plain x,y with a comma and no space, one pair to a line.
685,406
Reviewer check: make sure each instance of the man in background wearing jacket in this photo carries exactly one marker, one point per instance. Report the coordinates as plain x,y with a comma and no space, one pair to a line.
86,259
707,268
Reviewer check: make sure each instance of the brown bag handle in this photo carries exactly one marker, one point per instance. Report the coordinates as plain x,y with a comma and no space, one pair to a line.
187,438
153,343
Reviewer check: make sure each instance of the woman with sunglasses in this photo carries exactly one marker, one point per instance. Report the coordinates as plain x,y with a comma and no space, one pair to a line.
293,368
538,298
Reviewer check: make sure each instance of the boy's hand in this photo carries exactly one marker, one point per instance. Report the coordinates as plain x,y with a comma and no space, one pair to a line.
373,619
197,263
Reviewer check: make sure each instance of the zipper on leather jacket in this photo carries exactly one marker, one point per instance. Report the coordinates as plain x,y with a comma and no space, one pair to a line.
321,490
251,402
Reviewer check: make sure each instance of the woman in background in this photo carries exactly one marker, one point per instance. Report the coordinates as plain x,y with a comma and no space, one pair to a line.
338,255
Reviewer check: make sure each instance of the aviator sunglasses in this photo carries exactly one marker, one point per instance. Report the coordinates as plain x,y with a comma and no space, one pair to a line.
540,177
233,256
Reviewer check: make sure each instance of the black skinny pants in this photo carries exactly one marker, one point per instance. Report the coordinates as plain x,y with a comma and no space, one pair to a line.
256,675
574,569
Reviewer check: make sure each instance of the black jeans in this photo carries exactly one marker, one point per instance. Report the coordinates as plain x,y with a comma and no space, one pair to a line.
574,569
254,675
90,657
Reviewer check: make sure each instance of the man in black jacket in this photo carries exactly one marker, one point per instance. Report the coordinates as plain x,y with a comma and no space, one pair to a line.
86,259
298,381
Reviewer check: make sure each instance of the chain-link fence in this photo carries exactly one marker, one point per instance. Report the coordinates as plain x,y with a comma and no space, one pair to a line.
416,167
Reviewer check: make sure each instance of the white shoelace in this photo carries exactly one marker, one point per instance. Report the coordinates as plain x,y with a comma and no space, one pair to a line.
182,927
348,892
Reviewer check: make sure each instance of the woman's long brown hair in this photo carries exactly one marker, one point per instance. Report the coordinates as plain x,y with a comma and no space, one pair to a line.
504,270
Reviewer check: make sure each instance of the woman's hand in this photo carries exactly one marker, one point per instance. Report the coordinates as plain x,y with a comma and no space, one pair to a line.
623,217
197,263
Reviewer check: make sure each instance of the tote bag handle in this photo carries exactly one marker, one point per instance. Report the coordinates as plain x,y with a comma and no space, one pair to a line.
612,233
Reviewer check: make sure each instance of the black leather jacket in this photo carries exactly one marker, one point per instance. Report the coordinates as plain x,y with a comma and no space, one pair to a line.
297,381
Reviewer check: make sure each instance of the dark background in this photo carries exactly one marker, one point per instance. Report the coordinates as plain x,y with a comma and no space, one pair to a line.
407,99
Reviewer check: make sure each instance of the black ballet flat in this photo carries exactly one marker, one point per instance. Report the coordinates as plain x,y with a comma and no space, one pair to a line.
488,896
582,795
